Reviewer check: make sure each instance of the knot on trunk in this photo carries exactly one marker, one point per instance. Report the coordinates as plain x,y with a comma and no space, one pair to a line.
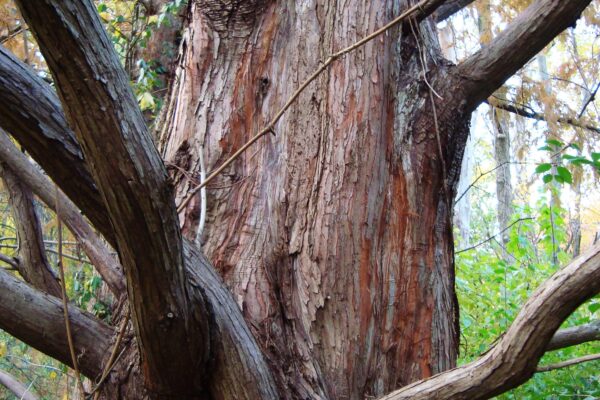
232,18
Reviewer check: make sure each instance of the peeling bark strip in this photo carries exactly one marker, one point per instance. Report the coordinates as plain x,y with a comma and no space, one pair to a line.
37,319
333,235
505,366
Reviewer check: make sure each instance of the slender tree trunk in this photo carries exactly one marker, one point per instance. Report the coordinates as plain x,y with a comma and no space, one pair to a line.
333,233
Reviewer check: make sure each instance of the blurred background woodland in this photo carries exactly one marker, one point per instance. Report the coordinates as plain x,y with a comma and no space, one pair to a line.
528,202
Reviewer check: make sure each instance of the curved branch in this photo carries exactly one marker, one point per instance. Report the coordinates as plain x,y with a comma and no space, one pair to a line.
17,388
237,359
36,319
99,104
33,265
32,114
514,359
486,70
99,254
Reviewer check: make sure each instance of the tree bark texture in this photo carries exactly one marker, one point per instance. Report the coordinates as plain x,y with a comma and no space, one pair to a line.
333,234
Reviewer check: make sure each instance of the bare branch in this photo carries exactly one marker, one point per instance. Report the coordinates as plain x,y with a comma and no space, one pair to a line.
514,359
568,363
17,388
575,335
36,319
33,266
524,112
485,71
97,251
13,262
449,8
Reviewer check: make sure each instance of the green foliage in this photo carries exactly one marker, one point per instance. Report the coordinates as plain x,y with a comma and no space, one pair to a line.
557,170
131,27
492,288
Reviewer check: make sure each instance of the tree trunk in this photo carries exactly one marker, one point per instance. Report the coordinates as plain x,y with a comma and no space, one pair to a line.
333,233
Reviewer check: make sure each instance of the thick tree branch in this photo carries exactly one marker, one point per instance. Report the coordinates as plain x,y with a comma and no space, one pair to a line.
99,254
32,114
514,359
17,388
575,335
33,264
237,358
37,319
449,8
485,71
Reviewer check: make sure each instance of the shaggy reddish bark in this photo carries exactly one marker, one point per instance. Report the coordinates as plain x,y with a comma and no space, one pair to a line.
333,235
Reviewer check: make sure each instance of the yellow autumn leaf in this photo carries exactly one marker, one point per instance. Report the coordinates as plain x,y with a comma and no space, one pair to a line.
146,101
2,349
153,19
53,375
105,16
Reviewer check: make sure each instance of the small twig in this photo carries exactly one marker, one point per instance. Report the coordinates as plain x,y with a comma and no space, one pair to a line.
112,359
203,200
590,98
271,125
568,363
65,300
434,110
478,178
493,236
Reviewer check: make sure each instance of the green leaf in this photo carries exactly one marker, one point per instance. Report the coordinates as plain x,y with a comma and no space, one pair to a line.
565,174
543,168
595,156
547,178
575,146
594,307
546,148
554,142
146,101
